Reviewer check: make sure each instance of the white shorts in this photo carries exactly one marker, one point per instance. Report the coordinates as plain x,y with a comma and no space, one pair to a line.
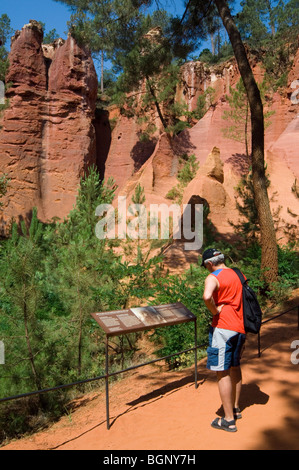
225,348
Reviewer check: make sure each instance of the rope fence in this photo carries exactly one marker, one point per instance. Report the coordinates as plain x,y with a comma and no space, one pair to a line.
164,358
100,377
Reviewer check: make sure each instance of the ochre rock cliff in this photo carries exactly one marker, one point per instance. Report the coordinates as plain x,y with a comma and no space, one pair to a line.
207,142
48,137
51,132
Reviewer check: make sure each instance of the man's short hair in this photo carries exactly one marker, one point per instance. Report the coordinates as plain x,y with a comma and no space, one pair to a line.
213,256
216,260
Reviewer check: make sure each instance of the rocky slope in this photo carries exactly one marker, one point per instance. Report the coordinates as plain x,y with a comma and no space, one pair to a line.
52,132
213,150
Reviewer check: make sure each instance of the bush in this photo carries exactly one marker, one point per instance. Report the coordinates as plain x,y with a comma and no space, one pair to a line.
187,289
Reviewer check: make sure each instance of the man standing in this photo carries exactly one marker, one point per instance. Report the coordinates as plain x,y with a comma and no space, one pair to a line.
223,297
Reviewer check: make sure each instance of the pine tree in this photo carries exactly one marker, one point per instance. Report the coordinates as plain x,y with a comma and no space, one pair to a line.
288,19
250,23
150,63
3,187
21,299
5,32
106,26
238,116
269,261
78,253
247,227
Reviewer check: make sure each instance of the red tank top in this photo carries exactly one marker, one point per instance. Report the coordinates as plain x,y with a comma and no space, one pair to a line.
229,294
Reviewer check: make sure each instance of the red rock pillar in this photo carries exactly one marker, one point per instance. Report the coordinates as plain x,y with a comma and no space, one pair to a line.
48,137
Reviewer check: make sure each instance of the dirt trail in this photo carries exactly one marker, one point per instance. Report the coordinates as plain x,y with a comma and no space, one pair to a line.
152,409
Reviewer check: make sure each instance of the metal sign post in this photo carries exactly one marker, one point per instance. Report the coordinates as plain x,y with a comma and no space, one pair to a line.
122,322
107,382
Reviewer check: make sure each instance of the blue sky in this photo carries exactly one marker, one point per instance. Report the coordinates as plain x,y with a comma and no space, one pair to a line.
56,15
53,14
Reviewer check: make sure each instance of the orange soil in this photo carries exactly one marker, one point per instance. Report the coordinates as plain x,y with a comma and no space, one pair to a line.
154,409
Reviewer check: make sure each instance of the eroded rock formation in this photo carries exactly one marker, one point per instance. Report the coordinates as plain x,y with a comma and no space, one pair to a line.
51,134
48,138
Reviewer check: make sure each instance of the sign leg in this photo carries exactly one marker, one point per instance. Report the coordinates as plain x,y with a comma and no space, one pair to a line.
107,385
195,353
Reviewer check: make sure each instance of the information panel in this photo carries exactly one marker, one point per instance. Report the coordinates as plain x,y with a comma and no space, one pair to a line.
142,318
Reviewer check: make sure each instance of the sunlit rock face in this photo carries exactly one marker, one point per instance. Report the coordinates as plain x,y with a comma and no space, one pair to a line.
222,161
47,139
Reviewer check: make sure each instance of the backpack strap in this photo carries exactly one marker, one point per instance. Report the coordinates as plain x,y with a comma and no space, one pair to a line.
240,275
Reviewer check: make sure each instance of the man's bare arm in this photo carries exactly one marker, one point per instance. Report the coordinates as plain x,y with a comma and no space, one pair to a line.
211,285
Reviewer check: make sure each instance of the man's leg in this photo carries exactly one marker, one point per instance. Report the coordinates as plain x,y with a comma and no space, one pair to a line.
236,379
236,374
226,393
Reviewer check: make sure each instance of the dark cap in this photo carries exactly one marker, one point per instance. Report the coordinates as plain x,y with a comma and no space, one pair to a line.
208,254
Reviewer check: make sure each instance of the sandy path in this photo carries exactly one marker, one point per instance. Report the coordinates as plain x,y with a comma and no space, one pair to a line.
152,409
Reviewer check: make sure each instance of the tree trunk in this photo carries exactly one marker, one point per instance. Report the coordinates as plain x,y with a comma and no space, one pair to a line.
268,237
246,130
80,330
80,350
152,91
102,71
271,18
30,352
212,43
